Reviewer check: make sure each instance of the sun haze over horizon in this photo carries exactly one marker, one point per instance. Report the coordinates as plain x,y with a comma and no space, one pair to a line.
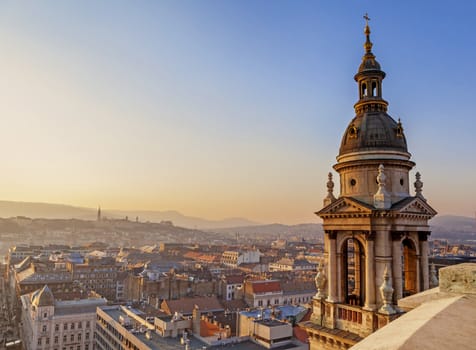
225,109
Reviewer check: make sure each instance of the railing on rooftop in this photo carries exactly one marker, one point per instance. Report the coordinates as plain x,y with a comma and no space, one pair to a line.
349,313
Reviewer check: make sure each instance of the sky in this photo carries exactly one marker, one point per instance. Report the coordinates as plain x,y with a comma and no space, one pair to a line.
225,108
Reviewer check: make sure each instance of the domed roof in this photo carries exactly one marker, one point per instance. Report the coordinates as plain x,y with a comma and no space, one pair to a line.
373,131
43,297
369,64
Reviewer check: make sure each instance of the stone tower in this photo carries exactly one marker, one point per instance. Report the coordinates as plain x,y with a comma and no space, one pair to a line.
376,232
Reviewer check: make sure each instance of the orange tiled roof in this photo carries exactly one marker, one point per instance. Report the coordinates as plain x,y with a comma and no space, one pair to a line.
192,255
208,329
266,286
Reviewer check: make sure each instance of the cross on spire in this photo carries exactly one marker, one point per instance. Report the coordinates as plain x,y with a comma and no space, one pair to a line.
367,18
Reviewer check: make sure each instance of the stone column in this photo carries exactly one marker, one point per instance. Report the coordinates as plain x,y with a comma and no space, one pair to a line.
332,268
339,276
418,273
370,272
423,239
397,265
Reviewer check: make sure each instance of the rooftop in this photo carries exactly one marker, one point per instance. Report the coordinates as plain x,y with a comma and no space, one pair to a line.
157,342
439,318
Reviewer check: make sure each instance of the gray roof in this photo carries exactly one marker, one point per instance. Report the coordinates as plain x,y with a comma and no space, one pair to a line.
374,131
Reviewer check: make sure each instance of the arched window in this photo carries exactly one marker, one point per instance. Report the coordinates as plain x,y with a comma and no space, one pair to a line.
409,269
353,272
374,89
364,90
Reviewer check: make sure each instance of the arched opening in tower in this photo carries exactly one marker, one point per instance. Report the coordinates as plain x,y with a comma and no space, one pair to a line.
363,92
353,272
409,269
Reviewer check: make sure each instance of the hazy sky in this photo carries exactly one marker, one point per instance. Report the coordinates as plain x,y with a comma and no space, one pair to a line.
225,108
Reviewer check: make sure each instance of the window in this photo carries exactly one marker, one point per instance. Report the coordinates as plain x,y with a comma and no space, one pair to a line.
56,339
56,327
78,347
72,337
47,341
45,315
43,329
79,336
87,335
87,324
39,341
80,325
86,347
72,325
65,326
260,302
64,339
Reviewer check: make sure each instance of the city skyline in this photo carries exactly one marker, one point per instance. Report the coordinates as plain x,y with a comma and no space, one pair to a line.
224,109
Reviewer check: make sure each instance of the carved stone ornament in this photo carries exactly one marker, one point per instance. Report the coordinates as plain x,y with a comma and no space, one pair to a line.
433,279
386,291
330,191
382,199
418,186
321,282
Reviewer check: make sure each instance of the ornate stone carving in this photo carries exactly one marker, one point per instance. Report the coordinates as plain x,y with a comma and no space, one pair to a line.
382,199
330,189
418,186
321,282
386,291
433,279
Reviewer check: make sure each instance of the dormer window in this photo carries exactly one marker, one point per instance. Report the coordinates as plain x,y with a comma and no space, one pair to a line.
353,131
399,129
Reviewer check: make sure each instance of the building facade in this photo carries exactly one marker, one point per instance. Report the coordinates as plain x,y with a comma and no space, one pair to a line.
376,232
234,258
49,324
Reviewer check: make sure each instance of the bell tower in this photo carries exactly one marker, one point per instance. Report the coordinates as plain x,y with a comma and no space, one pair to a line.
376,231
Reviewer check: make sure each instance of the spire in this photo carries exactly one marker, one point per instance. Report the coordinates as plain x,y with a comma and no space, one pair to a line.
369,77
99,213
368,44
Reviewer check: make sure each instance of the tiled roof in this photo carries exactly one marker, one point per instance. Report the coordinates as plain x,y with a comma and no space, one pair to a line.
234,279
208,329
266,286
192,255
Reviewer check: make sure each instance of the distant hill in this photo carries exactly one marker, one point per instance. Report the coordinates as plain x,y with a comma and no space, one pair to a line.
308,231
61,211
441,225
453,227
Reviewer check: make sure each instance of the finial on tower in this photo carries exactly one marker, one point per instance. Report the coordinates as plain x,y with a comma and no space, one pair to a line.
418,186
382,199
330,189
386,291
368,44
